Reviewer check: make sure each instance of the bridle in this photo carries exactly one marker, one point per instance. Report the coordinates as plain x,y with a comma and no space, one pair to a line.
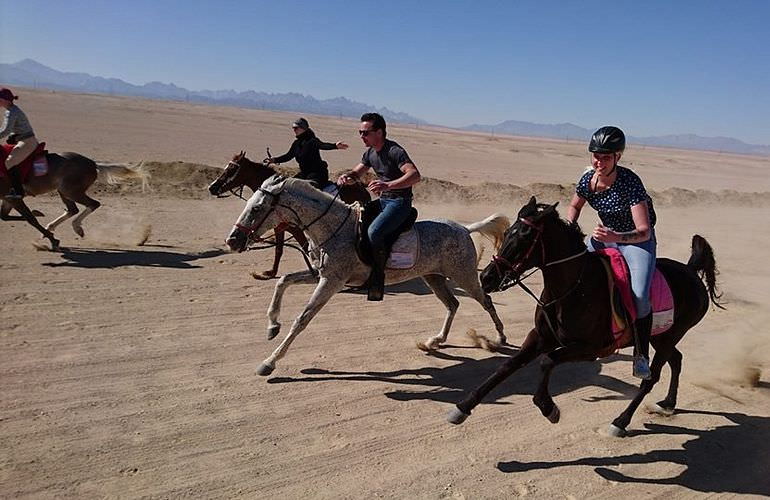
507,270
230,177
274,203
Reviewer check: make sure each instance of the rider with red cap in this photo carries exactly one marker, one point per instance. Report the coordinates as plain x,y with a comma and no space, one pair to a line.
15,123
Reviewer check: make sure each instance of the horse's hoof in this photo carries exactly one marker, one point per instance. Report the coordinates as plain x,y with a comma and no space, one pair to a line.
79,231
272,331
660,410
426,347
615,431
55,244
553,417
456,416
264,369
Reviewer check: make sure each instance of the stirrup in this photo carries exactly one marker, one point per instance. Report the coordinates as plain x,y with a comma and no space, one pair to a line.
641,368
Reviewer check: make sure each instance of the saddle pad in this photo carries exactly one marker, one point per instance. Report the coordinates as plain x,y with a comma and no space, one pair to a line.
37,167
661,299
405,251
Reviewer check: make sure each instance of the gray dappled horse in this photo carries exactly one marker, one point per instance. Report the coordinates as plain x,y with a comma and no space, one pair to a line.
70,174
446,251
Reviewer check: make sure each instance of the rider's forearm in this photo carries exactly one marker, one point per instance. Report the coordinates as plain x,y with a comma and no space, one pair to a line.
634,236
410,178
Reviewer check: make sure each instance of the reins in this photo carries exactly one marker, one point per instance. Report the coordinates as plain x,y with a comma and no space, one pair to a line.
506,283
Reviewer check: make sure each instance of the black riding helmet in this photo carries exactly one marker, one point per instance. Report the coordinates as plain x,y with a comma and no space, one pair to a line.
607,140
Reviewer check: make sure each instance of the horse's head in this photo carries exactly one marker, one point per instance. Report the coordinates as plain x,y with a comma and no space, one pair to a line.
522,248
240,171
259,216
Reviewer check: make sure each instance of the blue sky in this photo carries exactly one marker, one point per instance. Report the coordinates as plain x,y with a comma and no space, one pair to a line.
653,67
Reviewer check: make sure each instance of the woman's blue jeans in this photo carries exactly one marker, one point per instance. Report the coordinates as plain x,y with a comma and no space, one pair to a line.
640,258
394,212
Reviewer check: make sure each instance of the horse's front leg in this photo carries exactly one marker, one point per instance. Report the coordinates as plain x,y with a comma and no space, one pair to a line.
572,352
274,311
279,237
529,351
22,208
324,291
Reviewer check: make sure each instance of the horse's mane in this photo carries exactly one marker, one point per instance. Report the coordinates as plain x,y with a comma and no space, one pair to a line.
305,188
241,157
574,233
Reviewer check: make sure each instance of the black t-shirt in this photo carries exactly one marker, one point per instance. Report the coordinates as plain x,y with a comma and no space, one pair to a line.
386,163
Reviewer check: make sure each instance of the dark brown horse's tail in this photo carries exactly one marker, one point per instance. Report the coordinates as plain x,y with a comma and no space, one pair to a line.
703,262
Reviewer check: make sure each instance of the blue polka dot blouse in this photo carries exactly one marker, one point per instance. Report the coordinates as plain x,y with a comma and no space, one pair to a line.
614,204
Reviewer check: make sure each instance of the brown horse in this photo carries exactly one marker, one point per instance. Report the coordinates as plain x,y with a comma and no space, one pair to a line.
572,319
71,174
241,171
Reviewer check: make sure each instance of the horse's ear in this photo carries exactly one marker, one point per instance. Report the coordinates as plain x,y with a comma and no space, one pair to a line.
532,202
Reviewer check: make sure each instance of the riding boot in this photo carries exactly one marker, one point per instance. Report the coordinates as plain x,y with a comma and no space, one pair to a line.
642,330
377,277
17,189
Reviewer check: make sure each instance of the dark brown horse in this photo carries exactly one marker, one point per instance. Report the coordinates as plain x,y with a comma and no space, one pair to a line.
71,174
241,171
572,319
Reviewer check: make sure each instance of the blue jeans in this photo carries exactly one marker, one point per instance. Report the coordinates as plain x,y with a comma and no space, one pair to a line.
394,212
640,258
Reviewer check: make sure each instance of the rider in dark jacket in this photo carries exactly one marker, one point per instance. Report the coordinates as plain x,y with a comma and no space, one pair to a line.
306,150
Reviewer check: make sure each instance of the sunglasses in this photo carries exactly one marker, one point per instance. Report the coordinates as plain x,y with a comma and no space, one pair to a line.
364,133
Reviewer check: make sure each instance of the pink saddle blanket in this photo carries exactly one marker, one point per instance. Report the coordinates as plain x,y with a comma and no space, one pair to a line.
661,300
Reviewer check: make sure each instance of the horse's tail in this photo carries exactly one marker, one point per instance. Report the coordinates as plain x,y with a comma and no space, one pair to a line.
703,262
493,229
114,174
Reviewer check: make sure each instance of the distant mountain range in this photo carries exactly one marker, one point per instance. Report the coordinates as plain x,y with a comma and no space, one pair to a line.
31,73
571,131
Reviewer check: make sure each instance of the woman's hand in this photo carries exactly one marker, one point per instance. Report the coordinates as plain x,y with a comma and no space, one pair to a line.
605,234
341,145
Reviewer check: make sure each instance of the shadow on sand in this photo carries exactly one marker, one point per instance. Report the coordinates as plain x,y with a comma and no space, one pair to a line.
449,384
415,286
729,458
111,258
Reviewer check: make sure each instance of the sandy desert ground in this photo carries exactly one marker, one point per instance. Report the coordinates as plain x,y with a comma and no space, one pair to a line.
129,370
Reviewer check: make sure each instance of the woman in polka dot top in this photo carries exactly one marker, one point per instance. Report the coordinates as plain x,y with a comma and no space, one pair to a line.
627,223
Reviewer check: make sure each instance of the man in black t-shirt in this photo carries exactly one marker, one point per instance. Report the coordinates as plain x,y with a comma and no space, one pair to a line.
396,174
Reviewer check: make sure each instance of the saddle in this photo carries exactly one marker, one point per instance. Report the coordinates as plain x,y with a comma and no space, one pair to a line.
405,231
35,162
622,302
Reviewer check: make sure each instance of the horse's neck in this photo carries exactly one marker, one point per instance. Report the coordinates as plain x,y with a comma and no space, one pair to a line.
559,277
260,174
321,224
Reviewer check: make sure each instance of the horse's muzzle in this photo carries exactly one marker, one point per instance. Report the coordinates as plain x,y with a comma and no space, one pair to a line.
490,279
214,189
237,241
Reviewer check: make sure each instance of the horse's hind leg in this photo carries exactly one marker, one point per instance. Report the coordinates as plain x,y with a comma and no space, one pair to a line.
668,404
618,426
440,287
470,283
71,211
88,202
323,292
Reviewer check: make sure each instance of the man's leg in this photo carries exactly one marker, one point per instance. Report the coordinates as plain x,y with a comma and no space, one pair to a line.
17,155
394,213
